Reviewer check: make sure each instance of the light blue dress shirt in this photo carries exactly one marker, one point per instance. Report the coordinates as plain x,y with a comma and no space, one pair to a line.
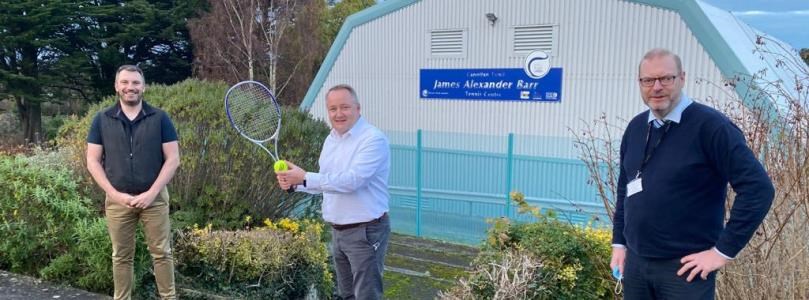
353,176
675,114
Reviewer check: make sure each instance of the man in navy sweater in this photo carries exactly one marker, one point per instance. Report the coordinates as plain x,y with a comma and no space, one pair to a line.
677,159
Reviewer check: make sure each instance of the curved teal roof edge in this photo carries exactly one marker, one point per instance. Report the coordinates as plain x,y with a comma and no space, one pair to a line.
364,16
696,20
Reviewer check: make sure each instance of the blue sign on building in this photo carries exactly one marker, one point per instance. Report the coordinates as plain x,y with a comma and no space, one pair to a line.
490,84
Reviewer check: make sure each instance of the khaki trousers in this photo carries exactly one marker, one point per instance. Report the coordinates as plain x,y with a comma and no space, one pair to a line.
121,224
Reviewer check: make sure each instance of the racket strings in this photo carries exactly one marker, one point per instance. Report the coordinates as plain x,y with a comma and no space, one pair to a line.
254,112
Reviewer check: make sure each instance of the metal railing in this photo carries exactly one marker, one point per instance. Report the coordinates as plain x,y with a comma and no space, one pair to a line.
446,186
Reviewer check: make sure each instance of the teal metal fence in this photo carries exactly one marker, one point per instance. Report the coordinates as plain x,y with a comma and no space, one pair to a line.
446,185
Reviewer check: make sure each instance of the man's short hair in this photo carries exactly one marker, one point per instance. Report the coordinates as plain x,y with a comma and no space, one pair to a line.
660,52
130,68
346,87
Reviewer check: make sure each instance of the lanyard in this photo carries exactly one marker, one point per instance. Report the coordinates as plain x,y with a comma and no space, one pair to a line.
647,156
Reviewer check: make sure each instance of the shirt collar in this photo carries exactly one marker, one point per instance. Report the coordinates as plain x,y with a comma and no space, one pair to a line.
117,112
356,129
675,114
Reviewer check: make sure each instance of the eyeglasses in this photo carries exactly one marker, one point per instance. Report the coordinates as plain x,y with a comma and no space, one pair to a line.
650,81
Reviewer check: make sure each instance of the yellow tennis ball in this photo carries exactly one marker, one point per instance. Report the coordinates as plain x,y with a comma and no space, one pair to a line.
280,166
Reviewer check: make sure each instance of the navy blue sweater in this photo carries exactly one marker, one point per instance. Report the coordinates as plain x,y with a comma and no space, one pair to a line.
681,209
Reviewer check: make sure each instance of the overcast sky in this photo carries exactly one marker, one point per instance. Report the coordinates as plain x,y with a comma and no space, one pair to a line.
787,20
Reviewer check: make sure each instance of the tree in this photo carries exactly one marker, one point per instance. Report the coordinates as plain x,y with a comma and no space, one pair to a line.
805,55
337,15
52,50
239,40
151,33
37,41
302,53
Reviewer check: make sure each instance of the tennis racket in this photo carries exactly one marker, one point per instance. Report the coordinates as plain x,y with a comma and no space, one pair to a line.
254,112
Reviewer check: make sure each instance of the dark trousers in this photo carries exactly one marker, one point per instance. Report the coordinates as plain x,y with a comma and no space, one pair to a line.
359,259
657,279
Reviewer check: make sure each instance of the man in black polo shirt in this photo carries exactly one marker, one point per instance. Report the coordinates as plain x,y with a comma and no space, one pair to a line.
132,153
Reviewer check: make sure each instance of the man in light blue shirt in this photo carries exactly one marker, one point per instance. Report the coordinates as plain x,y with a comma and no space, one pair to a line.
353,177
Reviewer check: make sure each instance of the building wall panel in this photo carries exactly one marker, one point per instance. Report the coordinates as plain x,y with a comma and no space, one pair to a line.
599,46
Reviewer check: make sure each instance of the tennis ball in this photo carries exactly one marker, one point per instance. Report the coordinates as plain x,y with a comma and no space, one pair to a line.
280,166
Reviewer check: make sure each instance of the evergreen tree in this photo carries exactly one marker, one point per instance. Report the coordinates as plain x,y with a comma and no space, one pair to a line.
53,50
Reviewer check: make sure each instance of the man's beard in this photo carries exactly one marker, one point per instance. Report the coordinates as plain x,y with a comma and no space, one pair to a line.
130,103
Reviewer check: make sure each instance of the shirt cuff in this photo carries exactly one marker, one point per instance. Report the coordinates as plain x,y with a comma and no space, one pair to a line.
618,246
312,180
722,254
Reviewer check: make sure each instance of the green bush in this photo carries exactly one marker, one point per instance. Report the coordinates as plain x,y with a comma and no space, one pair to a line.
38,205
222,177
88,264
565,261
282,260
50,126
9,128
49,230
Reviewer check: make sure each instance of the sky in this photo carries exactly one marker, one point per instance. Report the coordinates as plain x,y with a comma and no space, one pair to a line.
787,20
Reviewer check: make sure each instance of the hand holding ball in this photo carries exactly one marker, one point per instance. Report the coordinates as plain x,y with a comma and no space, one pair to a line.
280,166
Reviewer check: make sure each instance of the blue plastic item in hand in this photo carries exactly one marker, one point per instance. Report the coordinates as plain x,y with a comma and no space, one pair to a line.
619,287
617,273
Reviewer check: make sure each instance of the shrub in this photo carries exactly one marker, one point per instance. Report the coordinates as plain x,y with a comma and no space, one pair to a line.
88,264
511,274
9,128
281,260
222,177
775,263
38,203
51,231
565,261
50,126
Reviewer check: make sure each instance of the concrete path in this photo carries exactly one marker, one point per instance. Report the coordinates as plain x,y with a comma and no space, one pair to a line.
19,287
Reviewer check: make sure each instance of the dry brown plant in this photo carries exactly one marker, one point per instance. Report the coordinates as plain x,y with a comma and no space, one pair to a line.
775,264
512,277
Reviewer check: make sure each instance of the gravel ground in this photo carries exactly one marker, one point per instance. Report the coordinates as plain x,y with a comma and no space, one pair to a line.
19,287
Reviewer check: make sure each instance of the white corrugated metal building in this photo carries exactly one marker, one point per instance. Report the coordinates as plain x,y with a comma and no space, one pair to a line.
595,44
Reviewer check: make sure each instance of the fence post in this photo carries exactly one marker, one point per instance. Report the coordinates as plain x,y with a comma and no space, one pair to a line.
509,171
418,182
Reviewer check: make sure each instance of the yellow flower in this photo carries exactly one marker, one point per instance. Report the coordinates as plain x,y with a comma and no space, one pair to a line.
268,224
569,275
288,225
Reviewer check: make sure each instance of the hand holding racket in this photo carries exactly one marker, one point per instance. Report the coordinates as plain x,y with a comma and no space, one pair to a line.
254,112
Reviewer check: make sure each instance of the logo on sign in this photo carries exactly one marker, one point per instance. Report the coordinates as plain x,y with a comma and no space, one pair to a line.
537,64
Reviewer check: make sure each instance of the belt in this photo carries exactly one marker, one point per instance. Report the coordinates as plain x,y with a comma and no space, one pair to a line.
353,225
